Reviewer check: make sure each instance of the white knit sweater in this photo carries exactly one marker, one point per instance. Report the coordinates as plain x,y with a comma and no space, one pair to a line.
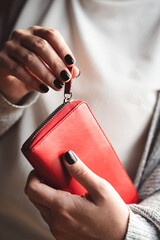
117,49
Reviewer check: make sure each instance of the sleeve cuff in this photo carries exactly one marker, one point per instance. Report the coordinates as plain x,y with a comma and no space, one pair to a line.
28,100
139,228
10,113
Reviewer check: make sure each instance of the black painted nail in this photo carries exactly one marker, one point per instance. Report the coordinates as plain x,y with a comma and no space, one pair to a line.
70,157
43,88
69,60
64,75
58,84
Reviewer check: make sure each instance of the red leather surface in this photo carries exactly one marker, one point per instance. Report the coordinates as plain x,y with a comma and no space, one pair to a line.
51,124
75,128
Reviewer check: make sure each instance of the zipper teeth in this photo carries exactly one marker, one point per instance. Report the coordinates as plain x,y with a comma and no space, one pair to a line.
40,127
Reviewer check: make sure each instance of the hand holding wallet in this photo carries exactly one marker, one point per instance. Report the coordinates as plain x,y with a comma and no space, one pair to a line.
72,126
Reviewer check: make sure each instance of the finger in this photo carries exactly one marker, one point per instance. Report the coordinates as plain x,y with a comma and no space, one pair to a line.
44,50
38,191
75,72
11,67
57,42
44,211
32,62
42,193
82,174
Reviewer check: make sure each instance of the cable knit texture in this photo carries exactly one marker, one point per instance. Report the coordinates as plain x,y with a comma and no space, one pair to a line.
144,220
116,43
10,113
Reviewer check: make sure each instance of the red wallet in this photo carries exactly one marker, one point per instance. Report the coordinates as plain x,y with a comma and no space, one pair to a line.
72,126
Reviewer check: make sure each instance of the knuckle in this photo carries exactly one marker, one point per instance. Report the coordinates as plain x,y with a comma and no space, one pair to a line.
54,31
15,69
48,76
81,171
30,188
56,64
31,83
49,33
7,45
34,27
40,43
16,33
102,187
28,57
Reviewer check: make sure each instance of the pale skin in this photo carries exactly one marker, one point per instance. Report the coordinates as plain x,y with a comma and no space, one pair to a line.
101,215
32,58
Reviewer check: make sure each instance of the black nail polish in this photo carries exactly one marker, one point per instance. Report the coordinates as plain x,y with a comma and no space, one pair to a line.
64,76
43,88
70,157
58,84
69,60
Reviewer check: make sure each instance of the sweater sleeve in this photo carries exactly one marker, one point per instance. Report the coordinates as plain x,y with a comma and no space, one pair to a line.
11,113
144,222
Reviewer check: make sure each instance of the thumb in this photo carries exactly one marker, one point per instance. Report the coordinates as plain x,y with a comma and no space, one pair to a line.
78,170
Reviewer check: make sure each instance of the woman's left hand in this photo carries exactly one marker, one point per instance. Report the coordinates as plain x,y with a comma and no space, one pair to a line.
101,214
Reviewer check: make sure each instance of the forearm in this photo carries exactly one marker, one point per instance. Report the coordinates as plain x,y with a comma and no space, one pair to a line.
11,113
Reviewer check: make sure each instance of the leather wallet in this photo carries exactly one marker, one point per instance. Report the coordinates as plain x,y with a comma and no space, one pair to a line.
72,126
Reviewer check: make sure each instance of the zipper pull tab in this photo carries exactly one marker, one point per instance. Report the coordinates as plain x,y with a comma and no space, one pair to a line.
68,89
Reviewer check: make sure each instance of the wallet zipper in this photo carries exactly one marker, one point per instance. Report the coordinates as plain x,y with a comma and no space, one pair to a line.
40,127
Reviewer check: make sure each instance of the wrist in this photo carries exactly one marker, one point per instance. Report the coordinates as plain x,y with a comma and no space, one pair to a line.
16,99
13,90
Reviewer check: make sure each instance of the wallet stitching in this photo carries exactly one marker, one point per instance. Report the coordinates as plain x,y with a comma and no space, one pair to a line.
54,128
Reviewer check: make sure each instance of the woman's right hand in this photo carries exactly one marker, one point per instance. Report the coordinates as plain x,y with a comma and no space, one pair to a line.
34,59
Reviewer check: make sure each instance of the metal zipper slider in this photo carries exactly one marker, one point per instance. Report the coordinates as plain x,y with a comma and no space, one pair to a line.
68,90
67,97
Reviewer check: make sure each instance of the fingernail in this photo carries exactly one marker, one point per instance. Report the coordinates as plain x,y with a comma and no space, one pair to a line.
43,88
69,60
64,75
70,157
58,84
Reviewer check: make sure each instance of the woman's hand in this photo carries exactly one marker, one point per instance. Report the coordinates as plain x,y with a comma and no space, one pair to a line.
34,59
101,214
